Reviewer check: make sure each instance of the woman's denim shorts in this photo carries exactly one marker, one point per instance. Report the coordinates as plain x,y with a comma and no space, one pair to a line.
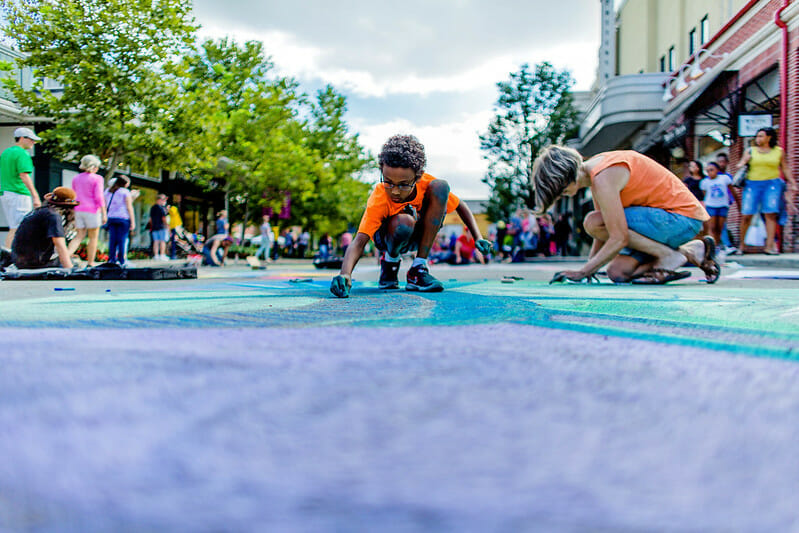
762,196
661,226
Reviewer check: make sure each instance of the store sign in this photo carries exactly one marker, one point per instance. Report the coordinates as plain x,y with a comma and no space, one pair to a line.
748,125
675,135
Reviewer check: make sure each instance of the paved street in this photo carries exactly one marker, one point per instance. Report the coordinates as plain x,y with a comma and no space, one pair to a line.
252,400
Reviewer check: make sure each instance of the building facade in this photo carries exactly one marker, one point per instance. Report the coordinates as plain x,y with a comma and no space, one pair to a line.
696,78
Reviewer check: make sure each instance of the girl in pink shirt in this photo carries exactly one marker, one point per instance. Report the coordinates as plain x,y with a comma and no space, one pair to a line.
91,213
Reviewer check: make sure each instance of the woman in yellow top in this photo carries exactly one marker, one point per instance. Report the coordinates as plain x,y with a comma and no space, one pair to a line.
763,185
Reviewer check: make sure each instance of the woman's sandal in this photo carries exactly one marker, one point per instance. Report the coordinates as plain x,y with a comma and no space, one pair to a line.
659,276
708,263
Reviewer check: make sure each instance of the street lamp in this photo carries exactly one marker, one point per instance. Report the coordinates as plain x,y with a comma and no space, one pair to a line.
679,86
696,70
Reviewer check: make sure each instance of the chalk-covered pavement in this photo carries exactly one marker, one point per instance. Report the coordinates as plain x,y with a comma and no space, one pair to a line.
254,401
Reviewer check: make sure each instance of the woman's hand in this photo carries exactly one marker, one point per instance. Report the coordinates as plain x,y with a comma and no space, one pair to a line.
571,275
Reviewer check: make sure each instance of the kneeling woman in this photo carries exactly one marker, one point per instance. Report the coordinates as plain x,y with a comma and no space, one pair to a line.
645,217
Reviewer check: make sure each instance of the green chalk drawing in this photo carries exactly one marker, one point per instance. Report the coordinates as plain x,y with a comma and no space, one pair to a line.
762,322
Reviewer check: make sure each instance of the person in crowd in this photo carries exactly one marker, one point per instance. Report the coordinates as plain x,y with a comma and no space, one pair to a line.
266,239
499,245
18,196
175,226
546,235
645,219
764,187
215,250
302,243
325,244
40,239
723,161
158,227
695,175
90,214
222,225
121,220
405,212
288,243
717,199
563,230
466,250
345,240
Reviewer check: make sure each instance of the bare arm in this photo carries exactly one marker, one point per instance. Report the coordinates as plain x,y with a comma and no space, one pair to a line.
214,248
60,245
468,218
129,205
745,159
353,255
790,189
606,188
26,179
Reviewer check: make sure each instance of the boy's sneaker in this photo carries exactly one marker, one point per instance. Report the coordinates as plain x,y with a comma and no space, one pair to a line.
389,271
419,279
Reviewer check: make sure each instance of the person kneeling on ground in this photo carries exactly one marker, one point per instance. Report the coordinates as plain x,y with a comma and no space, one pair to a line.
645,221
40,239
215,249
404,213
466,250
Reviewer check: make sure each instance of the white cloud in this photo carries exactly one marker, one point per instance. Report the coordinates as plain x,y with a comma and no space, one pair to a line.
427,68
307,62
453,149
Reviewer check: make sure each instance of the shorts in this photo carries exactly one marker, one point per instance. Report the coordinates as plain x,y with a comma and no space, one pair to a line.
159,235
661,226
717,211
383,242
86,220
762,196
15,207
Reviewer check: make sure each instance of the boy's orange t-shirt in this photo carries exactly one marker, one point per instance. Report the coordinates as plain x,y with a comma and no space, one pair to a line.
651,185
380,206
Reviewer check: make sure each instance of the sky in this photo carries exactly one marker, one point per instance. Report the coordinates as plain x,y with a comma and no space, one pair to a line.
428,68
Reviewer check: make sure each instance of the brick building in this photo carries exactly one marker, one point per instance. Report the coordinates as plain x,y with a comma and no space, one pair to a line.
739,70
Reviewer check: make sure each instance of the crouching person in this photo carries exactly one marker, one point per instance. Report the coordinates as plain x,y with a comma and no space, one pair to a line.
404,214
40,240
645,218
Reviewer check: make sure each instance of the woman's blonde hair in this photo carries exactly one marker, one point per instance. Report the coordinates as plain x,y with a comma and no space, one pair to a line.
553,170
89,161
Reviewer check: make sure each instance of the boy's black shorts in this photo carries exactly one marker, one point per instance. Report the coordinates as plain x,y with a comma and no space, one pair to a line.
383,242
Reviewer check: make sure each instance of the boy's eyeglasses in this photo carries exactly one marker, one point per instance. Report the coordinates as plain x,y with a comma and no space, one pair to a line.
402,187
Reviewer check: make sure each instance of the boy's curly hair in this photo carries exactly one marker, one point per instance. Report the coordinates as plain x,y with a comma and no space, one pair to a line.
403,151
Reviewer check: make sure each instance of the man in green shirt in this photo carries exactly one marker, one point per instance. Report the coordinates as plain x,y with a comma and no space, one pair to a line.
19,196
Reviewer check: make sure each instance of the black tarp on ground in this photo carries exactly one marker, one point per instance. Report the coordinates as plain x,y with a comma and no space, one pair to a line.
106,271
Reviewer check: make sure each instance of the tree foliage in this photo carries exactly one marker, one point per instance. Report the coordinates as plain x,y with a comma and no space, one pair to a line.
109,56
534,109
140,90
242,123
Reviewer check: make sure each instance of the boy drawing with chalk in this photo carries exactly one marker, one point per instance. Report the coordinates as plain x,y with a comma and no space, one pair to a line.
404,213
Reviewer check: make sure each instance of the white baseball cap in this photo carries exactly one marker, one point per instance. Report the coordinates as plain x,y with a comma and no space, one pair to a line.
26,132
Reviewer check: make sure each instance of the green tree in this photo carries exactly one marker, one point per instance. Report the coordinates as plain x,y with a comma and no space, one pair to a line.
534,109
339,194
109,56
236,122
241,122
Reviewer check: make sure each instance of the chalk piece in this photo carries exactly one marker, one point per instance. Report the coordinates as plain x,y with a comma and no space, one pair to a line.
64,288
506,280
108,290
300,280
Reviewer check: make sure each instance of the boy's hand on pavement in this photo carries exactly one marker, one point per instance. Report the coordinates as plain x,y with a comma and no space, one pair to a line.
484,246
340,286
